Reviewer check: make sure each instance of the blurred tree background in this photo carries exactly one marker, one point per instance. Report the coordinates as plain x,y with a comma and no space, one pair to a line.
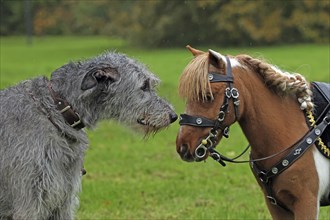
171,23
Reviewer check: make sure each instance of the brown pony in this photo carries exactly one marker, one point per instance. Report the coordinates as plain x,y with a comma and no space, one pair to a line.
270,106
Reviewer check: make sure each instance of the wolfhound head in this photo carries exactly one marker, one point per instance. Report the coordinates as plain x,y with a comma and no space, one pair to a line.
113,86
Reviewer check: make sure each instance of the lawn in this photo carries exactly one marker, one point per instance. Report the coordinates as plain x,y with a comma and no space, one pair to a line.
132,178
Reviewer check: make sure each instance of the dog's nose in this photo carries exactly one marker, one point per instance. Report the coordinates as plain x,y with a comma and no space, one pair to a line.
173,117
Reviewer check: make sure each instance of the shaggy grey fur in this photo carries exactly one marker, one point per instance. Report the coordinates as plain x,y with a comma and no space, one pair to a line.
40,163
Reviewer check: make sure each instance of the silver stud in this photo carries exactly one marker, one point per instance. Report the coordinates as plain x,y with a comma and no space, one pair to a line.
317,131
309,140
274,170
199,121
210,77
59,103
285,163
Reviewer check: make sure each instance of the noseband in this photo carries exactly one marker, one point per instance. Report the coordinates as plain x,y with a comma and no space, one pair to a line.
208,144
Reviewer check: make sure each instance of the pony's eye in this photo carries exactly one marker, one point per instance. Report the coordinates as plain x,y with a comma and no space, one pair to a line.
208,98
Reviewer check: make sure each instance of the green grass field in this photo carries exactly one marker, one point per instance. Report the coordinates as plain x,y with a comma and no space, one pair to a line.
132,178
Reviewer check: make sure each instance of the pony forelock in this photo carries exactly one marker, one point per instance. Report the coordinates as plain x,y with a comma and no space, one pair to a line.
194,83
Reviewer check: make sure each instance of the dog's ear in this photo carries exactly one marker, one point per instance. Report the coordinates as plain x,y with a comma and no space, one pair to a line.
96,76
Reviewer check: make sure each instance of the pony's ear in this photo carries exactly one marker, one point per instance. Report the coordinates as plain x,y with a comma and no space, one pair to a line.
194,51
97,76
216,59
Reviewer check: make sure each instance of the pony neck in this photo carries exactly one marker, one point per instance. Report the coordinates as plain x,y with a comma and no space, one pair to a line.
270,122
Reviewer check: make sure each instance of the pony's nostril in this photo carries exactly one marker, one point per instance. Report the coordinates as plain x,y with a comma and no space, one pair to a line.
173,117
185,154
183,149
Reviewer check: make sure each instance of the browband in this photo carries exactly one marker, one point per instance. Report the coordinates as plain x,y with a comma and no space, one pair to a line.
196,121
216,77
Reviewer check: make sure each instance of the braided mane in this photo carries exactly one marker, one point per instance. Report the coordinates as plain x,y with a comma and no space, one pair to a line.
194,83
282,83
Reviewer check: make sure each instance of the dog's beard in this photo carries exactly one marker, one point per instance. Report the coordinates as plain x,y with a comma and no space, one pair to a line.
147,130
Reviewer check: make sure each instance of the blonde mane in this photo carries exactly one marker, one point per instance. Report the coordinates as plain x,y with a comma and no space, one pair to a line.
194,83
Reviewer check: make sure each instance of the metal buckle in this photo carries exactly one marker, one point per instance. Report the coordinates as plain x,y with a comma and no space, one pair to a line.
75,123
215,156
65,109
262,176
226,132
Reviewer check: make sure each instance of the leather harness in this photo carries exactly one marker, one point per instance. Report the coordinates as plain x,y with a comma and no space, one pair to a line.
297,149
209,143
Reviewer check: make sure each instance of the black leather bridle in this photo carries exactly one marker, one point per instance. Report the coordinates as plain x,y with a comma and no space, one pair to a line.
208,144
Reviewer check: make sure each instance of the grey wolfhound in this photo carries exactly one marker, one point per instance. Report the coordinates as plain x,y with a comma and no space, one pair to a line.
42,143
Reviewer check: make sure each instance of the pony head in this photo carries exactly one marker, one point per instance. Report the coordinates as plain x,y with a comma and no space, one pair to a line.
212,104
203,100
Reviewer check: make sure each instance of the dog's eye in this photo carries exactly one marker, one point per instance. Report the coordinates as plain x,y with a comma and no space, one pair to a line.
146,86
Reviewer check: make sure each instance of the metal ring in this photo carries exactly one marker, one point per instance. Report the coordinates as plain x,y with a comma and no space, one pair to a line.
200,151
226,131
234,93
221,116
